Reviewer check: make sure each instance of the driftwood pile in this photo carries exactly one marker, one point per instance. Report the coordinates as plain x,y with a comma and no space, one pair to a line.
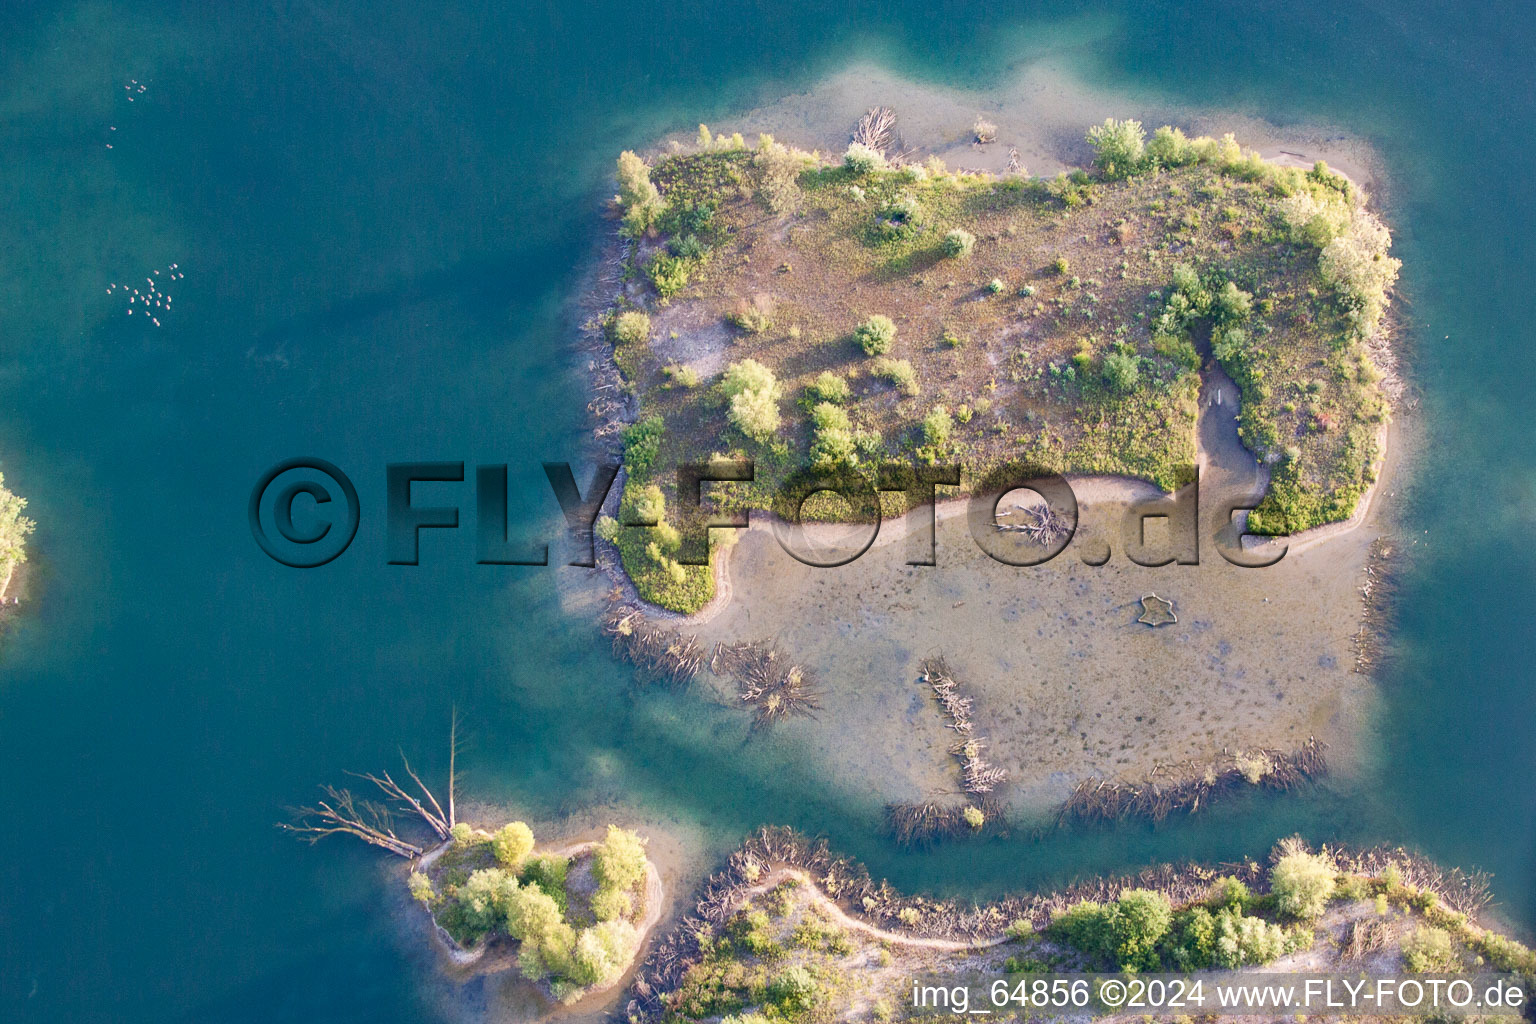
662,655
1040,523
766,680
976,774
876,129
1193,784
1377,594
923,825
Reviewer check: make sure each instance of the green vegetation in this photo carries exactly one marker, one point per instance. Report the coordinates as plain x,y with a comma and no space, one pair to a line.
14,528
875,335
1080,323
488,887
959,243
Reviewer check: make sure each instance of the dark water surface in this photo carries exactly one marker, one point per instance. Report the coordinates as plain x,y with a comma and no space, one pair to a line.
380,209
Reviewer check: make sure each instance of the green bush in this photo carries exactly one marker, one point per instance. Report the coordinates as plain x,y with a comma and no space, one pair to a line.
682,375
937,426
875,335
1121,372
793,988
996,286
1430,950
548,873
752,393
829,387
1169,148
642,442
1302,884
638,196
832,442
1060,265
630,327
861,160
1119,147
421,888
959,243
898,372
512,843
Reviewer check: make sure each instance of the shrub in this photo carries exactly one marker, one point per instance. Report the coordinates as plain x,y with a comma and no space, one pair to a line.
670,274
1357,264
1020,929
833,443
638,196
959,243
1119,147
937,426
548,873
642,441
642,504
1301,883
829,387
778,172
974,817
996,286
682,375
755,414
630,327
1429,949
1169,148
1060,265
898,372
1121,372
754,316
875,335
749,375
512,843
602,952
462,834
1231,305
619,861
421,888
900,217
484,897
908,916
793,988
860,159
1230,893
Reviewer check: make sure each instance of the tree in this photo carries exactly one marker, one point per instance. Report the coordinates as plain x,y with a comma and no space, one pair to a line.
14,528
638,195
485,897
1120,147
602,952
619,861
875,335
1137,920
512,843
1302,884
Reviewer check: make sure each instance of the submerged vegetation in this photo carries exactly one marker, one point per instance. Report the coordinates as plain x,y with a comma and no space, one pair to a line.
844,313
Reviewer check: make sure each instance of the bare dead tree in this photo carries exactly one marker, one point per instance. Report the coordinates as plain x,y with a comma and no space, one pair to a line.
343,813
876,129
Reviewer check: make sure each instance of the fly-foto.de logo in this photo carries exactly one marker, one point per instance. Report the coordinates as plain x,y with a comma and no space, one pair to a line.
304,513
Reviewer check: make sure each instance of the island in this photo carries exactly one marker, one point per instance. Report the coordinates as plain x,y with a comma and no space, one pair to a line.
840,316
569,919
792,932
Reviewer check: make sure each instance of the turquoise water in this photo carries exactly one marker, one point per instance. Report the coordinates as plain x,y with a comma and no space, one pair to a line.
379,210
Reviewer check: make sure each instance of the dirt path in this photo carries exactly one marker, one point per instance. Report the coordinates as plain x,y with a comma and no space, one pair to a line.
836,913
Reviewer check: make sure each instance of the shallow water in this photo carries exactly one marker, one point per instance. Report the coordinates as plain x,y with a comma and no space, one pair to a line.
380,210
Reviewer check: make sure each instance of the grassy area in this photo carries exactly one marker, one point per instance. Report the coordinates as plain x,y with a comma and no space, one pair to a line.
839,315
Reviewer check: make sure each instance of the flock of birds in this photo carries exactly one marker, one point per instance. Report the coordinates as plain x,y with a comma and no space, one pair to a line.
154,302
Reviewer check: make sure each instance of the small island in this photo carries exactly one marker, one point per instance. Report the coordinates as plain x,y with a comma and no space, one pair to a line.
570,919
837,315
